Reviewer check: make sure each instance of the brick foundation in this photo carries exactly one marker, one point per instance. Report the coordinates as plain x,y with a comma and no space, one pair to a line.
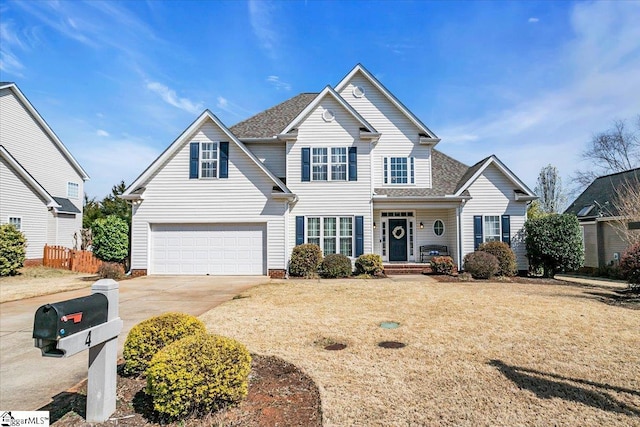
138,273
277,274
32,262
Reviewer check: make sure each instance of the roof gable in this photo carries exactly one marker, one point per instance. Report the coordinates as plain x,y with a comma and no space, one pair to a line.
328,92
25,102
133,191
599,197
359,69
26,176
476,170
271,122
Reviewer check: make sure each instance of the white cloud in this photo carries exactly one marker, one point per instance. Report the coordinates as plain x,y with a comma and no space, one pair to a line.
9,42
533,20
278,84
102,132
170,97
225,105
602,84
261,18
222,103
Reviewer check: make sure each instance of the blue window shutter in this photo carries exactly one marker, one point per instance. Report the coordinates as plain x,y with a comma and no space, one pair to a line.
477,231
306,164
359,236
353,163
506,229
299,230
194,157
224,160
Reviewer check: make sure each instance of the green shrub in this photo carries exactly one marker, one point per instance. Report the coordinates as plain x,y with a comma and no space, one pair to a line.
336,265
305,260
369,264
198,374
481,265
443,265
111,270
554,242
630,265
148,337
506,257
13,249
110,239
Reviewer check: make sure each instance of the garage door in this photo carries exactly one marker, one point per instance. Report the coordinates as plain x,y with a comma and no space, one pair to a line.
220,249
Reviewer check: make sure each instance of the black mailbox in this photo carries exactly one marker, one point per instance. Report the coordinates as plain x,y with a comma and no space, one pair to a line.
64,318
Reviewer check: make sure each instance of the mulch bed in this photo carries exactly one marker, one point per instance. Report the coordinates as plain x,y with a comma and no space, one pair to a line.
279,395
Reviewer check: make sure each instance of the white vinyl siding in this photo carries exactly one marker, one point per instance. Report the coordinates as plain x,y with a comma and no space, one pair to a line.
273,156
18,200
320,199
245,197
492,195
22,136
399,136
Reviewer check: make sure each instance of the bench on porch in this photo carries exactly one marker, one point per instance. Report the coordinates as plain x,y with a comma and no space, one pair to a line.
429,251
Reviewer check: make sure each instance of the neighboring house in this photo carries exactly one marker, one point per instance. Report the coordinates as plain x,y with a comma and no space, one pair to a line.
597,213
41,184
350,169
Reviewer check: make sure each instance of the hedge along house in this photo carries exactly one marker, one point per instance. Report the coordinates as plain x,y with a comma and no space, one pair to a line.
350,169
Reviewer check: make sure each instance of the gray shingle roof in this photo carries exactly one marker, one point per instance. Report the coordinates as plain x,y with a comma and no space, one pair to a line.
271,122
66,205
446,173
469,173
602,191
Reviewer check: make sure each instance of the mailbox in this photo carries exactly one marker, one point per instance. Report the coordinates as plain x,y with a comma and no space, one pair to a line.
62,319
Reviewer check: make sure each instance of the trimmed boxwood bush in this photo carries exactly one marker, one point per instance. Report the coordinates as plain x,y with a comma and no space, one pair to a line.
149,336
481,265
305,260
630,265
370,264
336,265
13,249
197,375
506,257
443,265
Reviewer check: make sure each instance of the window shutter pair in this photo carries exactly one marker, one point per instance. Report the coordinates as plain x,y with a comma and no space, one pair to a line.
306,164
194,160
359,233
477,230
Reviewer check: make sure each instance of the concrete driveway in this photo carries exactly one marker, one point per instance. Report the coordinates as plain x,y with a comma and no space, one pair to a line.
29,381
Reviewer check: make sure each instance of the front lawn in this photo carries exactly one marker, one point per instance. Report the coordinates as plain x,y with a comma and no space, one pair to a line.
476,353
39,280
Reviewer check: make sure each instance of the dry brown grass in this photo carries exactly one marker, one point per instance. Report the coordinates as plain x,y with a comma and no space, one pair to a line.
35,281
477,353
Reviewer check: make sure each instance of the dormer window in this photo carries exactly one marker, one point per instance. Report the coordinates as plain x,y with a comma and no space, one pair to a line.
398,170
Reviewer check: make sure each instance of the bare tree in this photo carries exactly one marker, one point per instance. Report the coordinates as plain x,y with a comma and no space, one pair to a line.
615,150
627,205
549,190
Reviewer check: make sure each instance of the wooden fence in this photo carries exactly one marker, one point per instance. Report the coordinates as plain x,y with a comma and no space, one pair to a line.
70,259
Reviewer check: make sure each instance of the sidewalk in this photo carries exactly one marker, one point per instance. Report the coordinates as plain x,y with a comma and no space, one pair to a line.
593,281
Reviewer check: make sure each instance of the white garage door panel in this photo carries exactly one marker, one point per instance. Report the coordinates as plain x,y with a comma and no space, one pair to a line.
223,249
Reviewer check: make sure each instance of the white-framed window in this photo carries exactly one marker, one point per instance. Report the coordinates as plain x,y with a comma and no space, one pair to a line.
209,159
329,164
334,234
16,221
339,163
398,170
491,228
73,190
438,227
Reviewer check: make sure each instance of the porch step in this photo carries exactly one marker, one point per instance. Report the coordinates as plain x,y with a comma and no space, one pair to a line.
406,268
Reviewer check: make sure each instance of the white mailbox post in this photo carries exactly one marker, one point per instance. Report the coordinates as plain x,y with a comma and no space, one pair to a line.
69,327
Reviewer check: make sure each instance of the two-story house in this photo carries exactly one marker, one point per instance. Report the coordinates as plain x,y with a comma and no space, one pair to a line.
350,169
41,183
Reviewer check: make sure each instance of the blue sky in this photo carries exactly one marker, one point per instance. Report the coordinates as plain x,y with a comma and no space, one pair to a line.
528,81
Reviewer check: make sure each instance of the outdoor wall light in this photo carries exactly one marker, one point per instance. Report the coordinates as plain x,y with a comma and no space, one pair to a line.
374,225
421,225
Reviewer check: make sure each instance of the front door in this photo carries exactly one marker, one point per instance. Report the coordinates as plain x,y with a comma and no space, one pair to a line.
397,239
